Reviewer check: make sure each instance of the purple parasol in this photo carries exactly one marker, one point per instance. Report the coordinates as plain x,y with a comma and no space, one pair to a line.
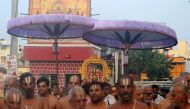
49,26
131,35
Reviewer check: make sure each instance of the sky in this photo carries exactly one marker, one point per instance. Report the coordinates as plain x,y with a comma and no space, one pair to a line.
173,13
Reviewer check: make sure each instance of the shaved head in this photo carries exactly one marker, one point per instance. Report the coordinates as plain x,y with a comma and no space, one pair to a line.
125,88
147,94
138,93
13,98
77,97
178,94
74,80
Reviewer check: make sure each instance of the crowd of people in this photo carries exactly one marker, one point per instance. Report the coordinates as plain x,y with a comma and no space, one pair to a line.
29,93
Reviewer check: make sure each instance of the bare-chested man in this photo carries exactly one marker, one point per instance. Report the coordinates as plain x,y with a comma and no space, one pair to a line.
77,98
61,93
49,101
148,97
179,98
55,90
64,102
27,84
97,96
125,88
2,104
13,99
138,93
10,82
166,102
187,86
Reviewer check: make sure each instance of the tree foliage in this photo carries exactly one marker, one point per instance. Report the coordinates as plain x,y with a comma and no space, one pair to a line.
156,65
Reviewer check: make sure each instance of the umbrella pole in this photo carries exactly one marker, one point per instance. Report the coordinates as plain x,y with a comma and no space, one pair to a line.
57,68
56,53
125,61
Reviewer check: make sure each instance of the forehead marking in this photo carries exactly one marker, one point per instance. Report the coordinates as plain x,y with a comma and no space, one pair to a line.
16,98
28,80
125,82
185,83
73,78
94,86
42,83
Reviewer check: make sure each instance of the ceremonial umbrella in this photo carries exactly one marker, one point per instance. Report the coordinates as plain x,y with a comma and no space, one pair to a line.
50,26
127,35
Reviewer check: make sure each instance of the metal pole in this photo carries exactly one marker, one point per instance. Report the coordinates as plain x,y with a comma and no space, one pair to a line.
57,64
122,63
14,39
116,66
57,68
125,59
56,53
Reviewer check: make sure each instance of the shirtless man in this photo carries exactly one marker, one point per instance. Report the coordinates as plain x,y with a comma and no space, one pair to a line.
125,88
13,99
49,101
55,90
138,93
178,98
27,84
10,82
61,93
97,97
2,104
77,98
187,86
64,102
148,97
166,102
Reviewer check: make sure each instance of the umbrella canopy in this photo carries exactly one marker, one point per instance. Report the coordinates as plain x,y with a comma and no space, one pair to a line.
131,35
50,26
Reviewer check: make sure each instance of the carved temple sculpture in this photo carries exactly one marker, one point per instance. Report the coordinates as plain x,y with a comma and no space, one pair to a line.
95,69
